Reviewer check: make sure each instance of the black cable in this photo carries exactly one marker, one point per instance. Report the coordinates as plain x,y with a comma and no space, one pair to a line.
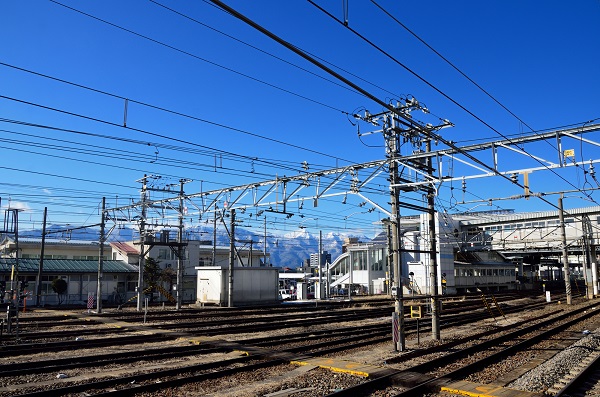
200,58
171,111
449,63
461,72
450,99
130,156
66,177
128,128
251,46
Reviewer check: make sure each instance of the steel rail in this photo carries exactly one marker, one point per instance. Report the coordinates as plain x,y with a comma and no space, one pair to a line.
576,385
427,383
359,339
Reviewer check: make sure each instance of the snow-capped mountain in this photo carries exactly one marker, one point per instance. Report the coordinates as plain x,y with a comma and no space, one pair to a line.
285,250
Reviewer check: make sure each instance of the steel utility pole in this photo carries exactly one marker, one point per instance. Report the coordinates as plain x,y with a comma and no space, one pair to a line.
394,127
231,259
393,149
101,259
321,289
141,262
41,267
265,243
587,246
565,257
214,248
180,249
435,315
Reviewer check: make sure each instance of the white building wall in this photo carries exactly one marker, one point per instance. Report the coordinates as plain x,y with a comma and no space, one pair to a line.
251,285
446,239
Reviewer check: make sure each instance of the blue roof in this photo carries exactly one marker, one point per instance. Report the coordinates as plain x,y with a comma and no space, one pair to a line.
67,266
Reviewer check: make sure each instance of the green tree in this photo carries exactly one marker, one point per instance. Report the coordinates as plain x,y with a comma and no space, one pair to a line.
152,275
168,276
59,286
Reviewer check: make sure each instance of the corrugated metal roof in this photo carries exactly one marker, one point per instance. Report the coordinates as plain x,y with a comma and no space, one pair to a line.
499,219
67,266
128,249
54,241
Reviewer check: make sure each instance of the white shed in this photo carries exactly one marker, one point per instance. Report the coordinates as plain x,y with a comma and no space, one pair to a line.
251,285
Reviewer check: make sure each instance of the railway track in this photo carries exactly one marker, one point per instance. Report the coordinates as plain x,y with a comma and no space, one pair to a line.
209,323
268,355
74,339
583,379
441,372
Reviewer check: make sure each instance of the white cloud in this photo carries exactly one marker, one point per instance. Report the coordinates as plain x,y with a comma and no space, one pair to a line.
16,205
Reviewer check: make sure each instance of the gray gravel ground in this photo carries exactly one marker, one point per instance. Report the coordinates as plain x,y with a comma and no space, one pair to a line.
546,375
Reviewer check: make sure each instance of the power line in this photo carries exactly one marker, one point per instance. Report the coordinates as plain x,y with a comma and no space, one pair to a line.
249,158
447,97
449,63
201,59
65,177
170,111
461,72
250,45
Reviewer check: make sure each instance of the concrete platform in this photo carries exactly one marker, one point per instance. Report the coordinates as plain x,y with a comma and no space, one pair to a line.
471,389
344,366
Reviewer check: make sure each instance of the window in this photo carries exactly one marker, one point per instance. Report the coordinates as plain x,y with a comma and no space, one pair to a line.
377,259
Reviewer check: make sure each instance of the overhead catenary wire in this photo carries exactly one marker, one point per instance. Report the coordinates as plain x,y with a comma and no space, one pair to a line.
446,142
142,131
156,107
487,93
201,58
116,154
283,164
451,64
367,188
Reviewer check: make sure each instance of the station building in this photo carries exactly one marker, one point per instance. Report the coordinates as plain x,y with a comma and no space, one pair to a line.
487,250
77,261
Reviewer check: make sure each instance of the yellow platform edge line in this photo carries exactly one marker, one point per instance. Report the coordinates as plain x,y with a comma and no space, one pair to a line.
333,368
465,392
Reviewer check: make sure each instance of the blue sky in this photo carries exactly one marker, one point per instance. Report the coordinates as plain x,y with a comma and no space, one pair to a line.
268,111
